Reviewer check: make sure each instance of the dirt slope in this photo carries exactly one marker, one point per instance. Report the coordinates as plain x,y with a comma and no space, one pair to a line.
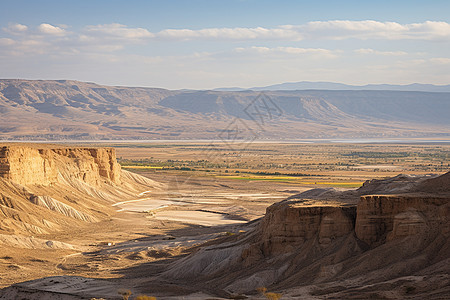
394,243
398,243
45,188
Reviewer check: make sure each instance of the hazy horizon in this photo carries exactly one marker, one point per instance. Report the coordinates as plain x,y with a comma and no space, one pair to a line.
211,44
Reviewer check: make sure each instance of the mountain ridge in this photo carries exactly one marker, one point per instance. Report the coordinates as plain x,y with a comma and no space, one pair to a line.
66,109
323,85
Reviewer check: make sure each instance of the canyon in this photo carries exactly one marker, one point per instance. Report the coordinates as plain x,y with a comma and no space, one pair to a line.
388,239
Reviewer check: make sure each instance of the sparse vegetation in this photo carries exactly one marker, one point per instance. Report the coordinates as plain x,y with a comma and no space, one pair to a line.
143,297
261,290
273,296
334,165
127,293
124,293
269,295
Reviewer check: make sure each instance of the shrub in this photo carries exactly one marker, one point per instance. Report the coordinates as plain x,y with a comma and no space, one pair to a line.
273,296
262,290
143,297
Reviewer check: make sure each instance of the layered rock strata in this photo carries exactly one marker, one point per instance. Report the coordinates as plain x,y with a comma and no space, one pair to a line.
28,165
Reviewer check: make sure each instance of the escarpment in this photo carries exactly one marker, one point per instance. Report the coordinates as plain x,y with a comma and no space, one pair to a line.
302,241
25,165
286,225
382,218
46,188
28,165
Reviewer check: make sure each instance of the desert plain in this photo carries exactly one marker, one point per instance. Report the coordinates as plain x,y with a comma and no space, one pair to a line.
188,196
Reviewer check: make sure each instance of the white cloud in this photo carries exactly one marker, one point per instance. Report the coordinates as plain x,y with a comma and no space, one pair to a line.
377,52
370,29
51,30
114,37
349,29
334,30
6,42
118,31
238,33
325,53
440,60
15,28
254,55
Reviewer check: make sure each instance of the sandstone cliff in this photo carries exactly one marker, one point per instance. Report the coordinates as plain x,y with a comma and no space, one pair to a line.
389,241
287,225
44,188
381,218
35,165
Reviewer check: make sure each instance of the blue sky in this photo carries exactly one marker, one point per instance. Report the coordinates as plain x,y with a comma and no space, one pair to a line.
209,44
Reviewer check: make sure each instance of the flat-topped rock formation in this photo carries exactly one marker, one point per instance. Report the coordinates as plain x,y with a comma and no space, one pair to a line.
288,225
44,188
29,165
382,218
389,239
334,248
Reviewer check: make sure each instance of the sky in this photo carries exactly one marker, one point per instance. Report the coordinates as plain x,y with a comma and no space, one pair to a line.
235,43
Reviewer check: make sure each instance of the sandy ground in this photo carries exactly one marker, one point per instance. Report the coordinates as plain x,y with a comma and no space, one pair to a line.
163,225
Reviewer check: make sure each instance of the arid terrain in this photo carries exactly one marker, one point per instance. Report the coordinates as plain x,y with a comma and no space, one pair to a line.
213,150
65,110
187,220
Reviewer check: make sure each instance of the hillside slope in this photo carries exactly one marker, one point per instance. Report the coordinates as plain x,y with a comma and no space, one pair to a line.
47,188
321,244
388,246
77,110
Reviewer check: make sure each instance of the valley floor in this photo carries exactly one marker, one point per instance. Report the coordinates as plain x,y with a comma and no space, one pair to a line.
166,224
202,203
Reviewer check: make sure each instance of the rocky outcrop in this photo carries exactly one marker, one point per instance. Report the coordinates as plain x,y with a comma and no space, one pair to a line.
28,165
387,217
306,242
439,185
287,225
46,188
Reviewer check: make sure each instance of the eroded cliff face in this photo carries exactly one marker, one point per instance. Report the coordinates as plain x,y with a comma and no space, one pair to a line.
33,165
287,225
375,220
46,188
382,218
307,242
25,165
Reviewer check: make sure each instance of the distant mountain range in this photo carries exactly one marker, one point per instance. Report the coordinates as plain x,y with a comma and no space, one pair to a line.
307,85
55,110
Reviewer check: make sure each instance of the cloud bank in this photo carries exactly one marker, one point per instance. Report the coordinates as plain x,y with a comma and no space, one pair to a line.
333,30
357,52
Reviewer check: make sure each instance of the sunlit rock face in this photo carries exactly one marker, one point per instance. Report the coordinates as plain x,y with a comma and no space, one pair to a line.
30,165
45,188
